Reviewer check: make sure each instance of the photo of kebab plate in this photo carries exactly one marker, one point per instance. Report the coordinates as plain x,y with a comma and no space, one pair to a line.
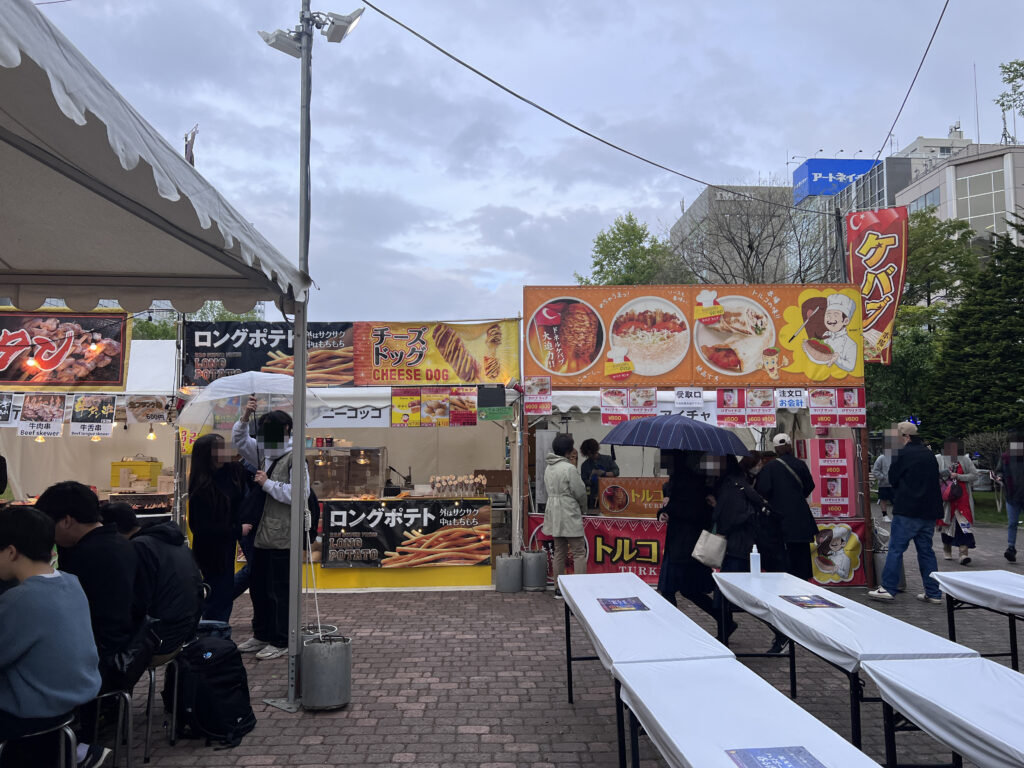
734,344
654,333
565,336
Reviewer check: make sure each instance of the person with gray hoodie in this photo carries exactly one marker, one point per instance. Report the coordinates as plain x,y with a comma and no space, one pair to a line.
566,505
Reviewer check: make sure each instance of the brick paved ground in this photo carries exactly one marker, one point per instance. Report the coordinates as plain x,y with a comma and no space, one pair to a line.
477,678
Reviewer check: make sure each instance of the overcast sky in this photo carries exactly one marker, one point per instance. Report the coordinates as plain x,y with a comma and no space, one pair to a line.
438,196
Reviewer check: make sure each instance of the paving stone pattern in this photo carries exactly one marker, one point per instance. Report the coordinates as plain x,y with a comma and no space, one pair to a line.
477,678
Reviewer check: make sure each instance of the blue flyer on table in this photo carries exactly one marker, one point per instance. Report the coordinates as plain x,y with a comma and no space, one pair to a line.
619,604
774,757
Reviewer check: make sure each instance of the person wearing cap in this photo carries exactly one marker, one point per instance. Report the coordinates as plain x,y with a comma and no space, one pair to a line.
839,310
786,483
914,476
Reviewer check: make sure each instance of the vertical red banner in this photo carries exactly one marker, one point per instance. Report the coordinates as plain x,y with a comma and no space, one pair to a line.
876,258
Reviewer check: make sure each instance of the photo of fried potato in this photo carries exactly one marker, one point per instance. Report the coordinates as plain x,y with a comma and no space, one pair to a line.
324,367
447,546
462,403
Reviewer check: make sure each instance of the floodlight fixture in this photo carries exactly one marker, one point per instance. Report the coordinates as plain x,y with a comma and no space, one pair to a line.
339,27
286,42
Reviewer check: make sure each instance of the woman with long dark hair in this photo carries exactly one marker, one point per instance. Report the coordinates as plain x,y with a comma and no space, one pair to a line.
216,487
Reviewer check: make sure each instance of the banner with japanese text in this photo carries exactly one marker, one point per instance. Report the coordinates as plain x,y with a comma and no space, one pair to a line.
93,415
708,336
614,545
431,353
630,496
835,492
64,350
537,396
876,258
406,533
217,349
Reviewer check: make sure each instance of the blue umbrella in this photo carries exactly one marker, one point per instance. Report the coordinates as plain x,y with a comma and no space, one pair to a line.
676,432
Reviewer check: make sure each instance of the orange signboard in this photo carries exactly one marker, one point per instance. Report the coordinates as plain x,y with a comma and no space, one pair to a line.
694,335
436,354
630,496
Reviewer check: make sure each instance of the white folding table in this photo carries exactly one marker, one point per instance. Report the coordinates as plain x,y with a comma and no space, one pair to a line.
970,705
844,637
661,633
999,592
694,712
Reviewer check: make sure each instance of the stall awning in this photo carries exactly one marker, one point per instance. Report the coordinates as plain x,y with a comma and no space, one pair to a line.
97,205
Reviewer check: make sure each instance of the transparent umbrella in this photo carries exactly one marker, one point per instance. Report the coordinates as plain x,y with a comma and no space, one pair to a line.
216,398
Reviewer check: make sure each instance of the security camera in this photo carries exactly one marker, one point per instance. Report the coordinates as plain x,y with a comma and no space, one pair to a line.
339,26
282,41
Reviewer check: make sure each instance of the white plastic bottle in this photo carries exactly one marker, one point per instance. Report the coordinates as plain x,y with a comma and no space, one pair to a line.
755,560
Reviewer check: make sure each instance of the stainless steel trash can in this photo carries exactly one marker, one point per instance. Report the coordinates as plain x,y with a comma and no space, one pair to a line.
535,571
326,672
508,573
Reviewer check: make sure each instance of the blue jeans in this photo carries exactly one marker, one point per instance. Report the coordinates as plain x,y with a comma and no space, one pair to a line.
1012,518
902,532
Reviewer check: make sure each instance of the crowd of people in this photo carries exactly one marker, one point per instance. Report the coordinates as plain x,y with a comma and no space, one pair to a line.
69,562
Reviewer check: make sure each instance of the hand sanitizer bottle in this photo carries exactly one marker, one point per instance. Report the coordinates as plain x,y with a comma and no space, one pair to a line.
755,560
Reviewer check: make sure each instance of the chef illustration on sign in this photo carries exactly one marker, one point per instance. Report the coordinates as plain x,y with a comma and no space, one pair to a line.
839,311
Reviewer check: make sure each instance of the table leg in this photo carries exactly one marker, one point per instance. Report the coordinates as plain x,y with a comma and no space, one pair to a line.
792,668
634,739
855,709
950,617
620,727
1013,643
723,618
889,721
958,762
568,652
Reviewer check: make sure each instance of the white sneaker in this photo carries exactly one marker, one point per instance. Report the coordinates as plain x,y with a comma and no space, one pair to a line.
925,599
880,594
271,652
252,644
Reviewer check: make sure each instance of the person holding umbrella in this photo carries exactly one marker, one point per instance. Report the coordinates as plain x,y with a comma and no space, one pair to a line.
271,451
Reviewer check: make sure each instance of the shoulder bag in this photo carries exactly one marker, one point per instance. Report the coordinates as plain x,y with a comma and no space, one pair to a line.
710,548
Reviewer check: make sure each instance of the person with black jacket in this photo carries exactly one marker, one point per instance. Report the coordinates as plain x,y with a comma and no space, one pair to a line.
785,483
914,476
216,488
744,519
687,513
105,564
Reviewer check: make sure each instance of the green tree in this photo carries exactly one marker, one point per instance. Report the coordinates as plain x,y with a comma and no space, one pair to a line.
1012,100
154,329
628,254
940,261
215,312
980,366
901,389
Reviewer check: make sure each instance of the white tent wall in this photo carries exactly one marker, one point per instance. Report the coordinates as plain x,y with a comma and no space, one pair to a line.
33,467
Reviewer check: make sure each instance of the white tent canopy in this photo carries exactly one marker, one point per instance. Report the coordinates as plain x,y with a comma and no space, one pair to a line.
97,205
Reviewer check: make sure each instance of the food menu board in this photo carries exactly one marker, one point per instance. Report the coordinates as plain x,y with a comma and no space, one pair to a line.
42,415
432,353
6,409
406,533
713,336
93,415
831,462
462,407
823,407
614,406
643,402
405,406
761,407
732,409
537,398
853,410
64,350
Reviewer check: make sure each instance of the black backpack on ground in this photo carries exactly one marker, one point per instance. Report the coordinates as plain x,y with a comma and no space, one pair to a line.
213,693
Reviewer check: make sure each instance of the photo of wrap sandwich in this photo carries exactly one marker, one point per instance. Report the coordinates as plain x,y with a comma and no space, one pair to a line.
734,344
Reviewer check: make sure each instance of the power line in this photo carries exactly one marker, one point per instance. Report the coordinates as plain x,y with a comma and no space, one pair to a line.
918,72
584,131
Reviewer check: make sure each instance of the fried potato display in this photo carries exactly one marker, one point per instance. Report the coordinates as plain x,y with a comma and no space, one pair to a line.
447,546
324,367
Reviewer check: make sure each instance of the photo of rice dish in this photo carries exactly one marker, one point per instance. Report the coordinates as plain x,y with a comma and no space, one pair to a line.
654,334
735,342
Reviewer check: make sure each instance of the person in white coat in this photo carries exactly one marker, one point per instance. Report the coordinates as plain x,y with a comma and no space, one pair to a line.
839,310
566,505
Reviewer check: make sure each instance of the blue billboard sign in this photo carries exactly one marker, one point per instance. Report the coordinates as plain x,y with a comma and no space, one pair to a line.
826,176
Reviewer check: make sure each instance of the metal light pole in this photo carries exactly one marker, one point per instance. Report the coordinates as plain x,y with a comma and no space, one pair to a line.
299,43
